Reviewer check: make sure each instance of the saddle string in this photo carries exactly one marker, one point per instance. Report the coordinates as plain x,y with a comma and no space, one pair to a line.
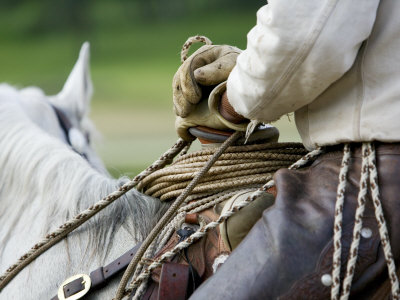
337,227
383,231
369,174
361,200
61,232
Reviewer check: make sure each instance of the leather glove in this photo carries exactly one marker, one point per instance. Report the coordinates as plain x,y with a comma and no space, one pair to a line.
207,113
209,65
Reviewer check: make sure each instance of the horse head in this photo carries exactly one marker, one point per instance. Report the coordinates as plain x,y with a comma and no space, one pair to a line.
65,115
49,172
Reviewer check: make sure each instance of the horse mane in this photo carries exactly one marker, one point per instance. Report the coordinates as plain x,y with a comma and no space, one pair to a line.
41,177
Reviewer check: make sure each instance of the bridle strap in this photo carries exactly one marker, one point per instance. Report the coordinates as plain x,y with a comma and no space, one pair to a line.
98,277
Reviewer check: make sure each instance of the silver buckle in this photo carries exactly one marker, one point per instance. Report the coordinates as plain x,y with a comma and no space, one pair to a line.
86,281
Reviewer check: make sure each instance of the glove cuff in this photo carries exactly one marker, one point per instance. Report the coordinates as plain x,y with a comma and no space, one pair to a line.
213,104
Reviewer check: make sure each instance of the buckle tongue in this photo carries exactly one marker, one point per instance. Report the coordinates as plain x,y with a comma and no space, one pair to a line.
86,282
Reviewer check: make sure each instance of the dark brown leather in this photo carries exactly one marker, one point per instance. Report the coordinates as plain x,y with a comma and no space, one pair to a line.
173,282
100,276
290,247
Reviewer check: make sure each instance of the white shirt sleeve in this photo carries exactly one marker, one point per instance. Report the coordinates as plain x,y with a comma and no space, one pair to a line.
296,50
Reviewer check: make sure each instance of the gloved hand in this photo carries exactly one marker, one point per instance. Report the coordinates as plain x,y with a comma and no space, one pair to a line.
209,65
207,113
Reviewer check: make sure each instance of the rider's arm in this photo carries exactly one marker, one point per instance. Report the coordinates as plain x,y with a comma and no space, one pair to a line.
296,50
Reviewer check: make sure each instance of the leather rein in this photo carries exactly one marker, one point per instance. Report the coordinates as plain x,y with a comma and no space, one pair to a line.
79,285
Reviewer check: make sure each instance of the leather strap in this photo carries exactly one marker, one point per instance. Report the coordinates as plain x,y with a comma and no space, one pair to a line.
173,281
100,276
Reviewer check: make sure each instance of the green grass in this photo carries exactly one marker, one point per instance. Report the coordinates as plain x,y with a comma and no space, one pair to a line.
132,66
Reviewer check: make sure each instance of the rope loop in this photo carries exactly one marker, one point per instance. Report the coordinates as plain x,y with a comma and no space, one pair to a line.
190,41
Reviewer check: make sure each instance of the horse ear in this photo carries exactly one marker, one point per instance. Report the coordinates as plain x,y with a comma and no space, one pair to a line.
75,96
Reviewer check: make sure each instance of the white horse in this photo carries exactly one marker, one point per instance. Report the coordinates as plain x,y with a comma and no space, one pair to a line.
44,182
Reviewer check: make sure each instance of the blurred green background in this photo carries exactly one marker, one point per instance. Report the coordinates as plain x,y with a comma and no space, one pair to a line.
135,51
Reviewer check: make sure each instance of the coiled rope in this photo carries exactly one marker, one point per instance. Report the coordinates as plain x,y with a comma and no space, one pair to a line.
239,166
141,279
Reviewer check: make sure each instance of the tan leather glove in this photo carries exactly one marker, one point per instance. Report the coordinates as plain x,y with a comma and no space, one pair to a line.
209,65
206,113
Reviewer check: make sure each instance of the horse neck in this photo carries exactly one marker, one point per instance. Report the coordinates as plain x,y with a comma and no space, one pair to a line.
42,184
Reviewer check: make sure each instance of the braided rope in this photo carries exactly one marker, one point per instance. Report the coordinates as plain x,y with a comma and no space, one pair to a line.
195,207
306,159
338,223
185,149
361,200
169,214
369,174
190,41
167,232
140,291
383,231
54,237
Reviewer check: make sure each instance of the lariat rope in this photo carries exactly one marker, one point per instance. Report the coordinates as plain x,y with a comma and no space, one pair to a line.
368,178
238,166
142,278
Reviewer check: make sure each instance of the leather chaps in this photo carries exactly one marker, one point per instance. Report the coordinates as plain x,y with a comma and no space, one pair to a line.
290,248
